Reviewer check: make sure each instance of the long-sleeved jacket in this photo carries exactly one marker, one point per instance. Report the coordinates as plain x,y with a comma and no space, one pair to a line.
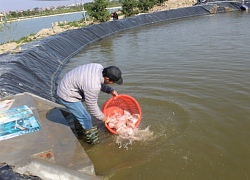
84,83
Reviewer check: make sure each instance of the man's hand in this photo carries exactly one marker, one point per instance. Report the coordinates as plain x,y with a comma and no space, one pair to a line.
114,93
105,119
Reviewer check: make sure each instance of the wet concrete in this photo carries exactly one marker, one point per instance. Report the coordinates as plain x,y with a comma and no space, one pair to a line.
55,145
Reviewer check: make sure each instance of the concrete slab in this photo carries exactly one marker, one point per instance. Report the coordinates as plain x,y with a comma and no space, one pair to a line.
55,144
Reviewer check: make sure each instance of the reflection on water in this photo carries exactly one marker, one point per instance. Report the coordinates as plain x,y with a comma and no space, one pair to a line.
191,78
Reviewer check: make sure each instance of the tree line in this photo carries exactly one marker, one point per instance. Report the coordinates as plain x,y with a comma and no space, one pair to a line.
97,9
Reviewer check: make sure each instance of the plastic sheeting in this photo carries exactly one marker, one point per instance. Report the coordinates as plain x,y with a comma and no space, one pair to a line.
36,67
221,7
6,172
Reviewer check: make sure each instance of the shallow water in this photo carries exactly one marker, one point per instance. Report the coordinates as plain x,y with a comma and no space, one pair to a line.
191,78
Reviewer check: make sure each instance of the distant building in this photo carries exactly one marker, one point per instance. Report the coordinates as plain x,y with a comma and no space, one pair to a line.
2,17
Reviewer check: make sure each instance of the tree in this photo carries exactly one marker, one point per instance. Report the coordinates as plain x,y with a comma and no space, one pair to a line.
88,6
97,10
2,25
9,28
129,8
160,1
145,5
13,14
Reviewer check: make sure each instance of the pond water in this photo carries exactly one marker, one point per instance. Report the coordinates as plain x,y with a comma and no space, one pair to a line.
192,79
23,28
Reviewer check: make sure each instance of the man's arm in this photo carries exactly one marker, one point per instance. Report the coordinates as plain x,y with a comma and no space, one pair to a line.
107,89
91,100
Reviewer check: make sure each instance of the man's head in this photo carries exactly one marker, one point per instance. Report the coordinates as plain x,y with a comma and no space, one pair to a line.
112,74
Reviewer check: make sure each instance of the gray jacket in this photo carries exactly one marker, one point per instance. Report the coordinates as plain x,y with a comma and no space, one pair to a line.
84,83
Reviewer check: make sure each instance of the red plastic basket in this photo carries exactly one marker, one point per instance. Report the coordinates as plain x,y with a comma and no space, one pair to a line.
120,103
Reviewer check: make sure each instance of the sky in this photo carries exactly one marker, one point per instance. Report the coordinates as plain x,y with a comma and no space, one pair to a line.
13,5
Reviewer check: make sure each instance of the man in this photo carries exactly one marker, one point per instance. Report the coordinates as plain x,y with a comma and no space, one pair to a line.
115,16
84,83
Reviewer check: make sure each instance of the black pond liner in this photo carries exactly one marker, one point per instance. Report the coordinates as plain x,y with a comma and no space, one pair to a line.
36,67
7,173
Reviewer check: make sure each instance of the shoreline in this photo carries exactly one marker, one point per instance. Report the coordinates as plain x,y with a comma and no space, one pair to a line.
36,17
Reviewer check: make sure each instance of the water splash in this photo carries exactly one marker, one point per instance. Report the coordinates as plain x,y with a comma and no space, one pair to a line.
138,135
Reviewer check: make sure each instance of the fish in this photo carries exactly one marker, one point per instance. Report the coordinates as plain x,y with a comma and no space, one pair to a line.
136,135
125,124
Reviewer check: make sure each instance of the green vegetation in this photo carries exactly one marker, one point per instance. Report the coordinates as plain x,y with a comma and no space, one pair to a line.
36,12
97,10
145,5
77,24
129,8
24,39
133,7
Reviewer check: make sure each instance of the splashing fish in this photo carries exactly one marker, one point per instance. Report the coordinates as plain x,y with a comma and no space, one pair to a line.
125,126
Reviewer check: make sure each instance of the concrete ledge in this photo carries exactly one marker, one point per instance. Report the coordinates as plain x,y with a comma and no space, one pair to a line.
54,146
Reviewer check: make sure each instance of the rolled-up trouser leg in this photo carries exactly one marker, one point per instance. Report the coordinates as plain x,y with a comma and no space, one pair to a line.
78,110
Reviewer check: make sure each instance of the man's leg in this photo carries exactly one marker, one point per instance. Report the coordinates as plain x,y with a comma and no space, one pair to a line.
78,110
